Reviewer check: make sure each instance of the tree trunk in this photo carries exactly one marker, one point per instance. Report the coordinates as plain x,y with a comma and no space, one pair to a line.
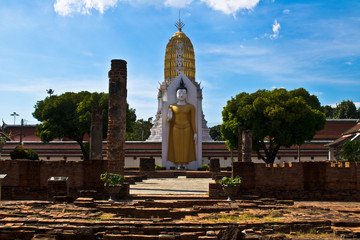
83,151
270,153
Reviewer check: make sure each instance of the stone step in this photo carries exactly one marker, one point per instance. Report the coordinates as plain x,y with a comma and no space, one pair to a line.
168,197
84,202
132,179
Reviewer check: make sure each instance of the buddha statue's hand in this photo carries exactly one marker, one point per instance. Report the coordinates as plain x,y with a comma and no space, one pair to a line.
195,137
170,114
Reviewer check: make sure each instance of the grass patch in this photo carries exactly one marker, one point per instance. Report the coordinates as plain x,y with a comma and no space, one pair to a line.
106,216
248,216
71,211
311,235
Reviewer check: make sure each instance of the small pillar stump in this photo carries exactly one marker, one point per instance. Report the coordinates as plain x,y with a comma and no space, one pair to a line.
147,164
214,165
58,186
2,176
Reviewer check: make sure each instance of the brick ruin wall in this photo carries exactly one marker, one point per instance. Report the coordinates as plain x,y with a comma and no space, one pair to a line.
298,181
28,179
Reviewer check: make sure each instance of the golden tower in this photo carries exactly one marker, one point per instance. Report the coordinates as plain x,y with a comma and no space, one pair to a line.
179,56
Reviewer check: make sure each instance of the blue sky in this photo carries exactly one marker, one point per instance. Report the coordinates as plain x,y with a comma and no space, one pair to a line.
240,46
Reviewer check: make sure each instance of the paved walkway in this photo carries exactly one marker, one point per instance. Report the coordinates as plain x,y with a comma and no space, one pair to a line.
172,186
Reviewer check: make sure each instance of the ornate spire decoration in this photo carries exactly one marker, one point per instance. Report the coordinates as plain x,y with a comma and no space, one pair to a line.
179,24
179,55
182,85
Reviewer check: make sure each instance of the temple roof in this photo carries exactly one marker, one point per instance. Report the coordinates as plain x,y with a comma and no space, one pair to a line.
351,134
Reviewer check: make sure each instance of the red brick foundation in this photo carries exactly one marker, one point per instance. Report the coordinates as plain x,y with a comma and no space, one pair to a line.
298,181
28,179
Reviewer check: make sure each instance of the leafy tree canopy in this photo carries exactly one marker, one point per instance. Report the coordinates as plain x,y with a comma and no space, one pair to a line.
277,118
141,130
215,133
350,151
344,110
69,116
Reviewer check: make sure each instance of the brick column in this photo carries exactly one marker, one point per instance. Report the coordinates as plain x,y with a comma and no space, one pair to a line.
247,146
117,116
214,165
147,164
96,134
240,145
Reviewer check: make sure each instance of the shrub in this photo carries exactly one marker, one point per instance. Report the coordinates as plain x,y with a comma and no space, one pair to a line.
32,155
18,153
204,167
226,181
159,167
112,179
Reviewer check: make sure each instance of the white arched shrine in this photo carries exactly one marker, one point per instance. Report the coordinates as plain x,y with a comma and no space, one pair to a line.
194,97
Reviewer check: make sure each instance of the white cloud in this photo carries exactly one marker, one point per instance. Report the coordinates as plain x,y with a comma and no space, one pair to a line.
67,7
87,54
286,11
177,3
233,50
348,63
231,6
276,31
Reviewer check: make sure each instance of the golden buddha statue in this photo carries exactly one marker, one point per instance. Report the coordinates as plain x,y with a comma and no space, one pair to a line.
182,131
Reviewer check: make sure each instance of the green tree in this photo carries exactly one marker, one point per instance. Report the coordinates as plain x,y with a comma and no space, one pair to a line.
328,111
3,137
2,142
346,109
69,116
277,118
350,151
215,133
141,130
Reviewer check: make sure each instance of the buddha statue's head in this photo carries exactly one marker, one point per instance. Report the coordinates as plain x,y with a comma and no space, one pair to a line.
181,91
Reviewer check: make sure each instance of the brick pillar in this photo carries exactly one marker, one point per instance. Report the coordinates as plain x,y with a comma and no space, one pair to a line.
214,165
240,145
96,134
247,145
147,164
117,116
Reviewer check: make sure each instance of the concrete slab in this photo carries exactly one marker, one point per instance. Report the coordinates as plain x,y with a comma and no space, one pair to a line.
172,186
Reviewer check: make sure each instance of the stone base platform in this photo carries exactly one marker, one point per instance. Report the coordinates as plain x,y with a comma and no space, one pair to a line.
179,218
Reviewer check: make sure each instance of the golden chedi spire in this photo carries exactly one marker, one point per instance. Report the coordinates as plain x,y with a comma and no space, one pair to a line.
179,55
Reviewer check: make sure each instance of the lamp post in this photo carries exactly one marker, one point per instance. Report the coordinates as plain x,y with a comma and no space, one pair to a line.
14,115
21,130
50,91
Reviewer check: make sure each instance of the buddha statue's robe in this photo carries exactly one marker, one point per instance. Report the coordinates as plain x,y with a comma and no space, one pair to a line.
181,148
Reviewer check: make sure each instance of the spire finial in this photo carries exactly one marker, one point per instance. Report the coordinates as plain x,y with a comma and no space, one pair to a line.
179,24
